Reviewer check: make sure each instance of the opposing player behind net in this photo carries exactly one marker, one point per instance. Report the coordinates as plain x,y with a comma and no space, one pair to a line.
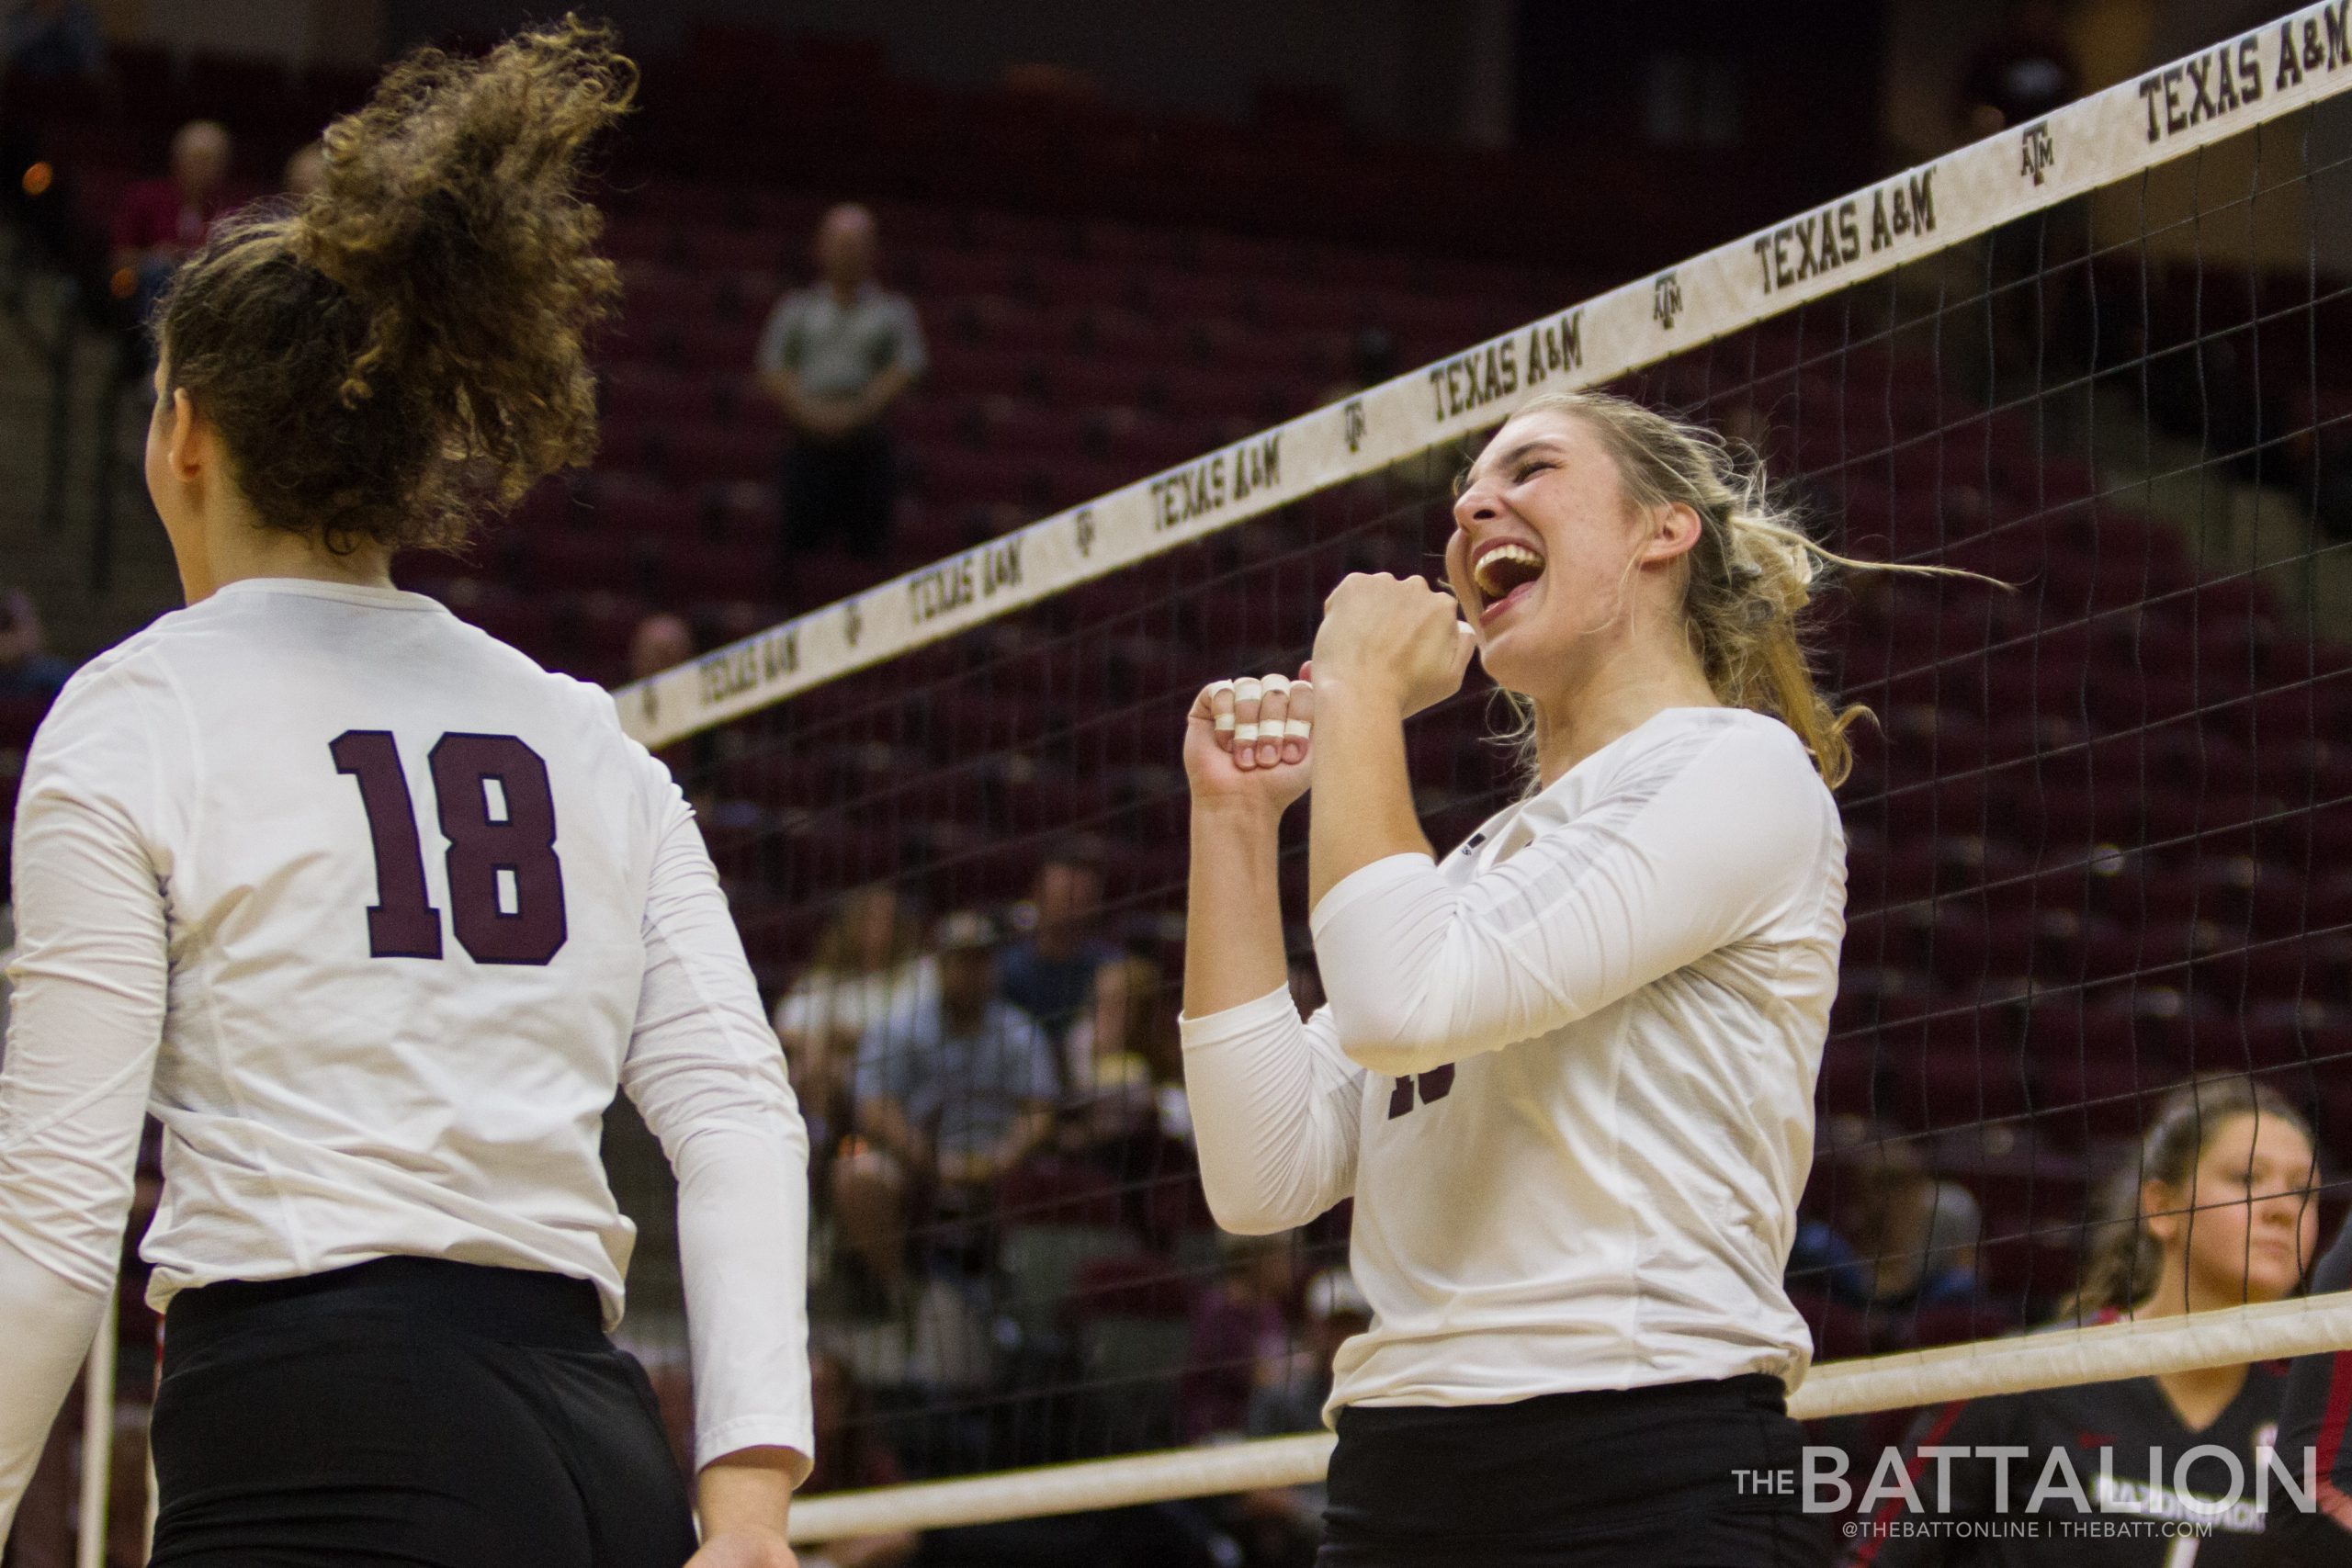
385,912
1566,1071
2216,1211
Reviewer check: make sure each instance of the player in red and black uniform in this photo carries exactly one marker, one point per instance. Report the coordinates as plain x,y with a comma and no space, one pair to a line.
2217,1212
2318,1416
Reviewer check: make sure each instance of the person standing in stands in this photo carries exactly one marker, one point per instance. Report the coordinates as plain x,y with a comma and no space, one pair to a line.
160,222
834,357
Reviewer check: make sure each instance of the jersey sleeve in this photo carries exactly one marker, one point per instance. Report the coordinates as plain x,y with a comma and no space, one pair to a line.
90,978
1274,1105
705,1071
1696,846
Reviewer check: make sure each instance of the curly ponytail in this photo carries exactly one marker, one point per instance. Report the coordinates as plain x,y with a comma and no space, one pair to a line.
407,340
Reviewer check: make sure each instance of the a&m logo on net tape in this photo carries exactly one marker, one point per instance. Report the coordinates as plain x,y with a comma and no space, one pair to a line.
1666,300
2037,152
1351,425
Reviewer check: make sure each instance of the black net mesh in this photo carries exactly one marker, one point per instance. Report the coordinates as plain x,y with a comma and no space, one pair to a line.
2100,829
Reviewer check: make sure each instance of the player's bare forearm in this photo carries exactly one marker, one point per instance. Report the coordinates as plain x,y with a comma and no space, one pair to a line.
1362,807
1233,915
745,1501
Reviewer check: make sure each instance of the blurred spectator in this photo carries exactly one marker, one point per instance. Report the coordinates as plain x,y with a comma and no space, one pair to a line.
1906,1241
661,641
27,667
952,1089
852,1455
1241,1334
1282,1525
48,41
1124,1050
305,170
868,962
834,357
1291,1394
1125,1071
1923,1254
1049,973
160,222
2026,70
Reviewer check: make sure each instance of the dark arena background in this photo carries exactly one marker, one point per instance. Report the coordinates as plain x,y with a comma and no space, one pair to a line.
1208,303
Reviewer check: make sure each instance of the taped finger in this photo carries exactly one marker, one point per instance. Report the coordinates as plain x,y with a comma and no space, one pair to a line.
1220,699
1273,711
1298,721
1249,697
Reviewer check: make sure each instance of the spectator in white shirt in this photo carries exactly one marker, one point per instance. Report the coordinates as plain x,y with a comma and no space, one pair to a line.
834,357
868,961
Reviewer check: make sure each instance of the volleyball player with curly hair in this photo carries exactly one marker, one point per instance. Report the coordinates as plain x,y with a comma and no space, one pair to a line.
1566,1068
375,915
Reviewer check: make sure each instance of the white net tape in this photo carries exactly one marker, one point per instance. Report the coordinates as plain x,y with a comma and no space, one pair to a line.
2054,1360
2257,76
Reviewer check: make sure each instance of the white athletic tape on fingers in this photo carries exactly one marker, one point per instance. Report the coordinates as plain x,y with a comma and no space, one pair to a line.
1224,722
1244,733
1217,687
1277,685
1247,690
1298,729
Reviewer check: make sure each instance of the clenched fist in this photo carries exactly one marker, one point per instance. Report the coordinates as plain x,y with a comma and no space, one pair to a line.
1396,633
1246,741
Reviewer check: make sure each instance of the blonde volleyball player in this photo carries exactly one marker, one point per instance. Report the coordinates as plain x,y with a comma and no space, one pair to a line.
375,915
1566,1068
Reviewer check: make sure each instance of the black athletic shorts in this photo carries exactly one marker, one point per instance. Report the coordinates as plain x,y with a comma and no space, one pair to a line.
409,1411
1663,1477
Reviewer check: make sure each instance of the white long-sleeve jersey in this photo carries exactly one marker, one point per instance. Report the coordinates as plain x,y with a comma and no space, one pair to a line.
375,915
1566,1074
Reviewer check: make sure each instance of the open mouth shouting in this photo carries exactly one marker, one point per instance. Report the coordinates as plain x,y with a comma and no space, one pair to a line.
1504,571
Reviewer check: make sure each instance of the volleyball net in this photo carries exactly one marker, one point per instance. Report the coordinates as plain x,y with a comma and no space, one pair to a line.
2099,833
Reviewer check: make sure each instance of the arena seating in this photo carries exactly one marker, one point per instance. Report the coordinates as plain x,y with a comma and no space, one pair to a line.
1074,351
